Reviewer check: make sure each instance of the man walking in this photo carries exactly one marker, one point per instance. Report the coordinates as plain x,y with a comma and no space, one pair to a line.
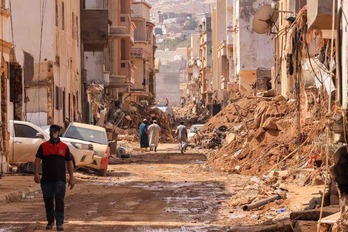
181,133
143,135
54,154
154,130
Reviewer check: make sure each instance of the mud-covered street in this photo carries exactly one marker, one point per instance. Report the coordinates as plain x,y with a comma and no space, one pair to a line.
148,192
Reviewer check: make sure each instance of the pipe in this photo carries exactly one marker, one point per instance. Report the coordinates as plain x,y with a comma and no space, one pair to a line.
260,203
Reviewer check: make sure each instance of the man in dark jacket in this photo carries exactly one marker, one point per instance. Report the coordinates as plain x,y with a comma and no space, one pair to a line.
54,154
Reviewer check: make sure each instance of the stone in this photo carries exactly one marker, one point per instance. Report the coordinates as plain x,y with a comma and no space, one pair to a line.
230,137
269,124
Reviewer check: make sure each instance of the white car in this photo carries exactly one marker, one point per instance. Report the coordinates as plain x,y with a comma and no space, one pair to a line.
95,135
25,139
193,130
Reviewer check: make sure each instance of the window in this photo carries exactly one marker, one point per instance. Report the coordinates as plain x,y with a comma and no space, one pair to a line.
73,32
24,131
123,49
63,16
59,98
57,13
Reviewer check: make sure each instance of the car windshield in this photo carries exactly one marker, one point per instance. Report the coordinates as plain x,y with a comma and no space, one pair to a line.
86,134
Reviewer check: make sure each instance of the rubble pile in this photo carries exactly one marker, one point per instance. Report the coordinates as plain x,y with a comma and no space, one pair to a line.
262,136
191,113
126,120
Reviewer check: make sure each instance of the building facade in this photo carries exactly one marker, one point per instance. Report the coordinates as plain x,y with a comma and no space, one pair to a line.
7,58
48,48
252,53
206,89
143,53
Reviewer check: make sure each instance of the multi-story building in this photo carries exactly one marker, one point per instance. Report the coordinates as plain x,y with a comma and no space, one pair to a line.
193,68
121,41
143,53
6,57
107,36
49,35
94,40
219,48
206,58
252,53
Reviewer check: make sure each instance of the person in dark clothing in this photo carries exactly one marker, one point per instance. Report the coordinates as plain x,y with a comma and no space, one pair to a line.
144,136
54,154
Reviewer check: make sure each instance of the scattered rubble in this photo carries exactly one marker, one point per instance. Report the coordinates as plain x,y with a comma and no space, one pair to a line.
126,120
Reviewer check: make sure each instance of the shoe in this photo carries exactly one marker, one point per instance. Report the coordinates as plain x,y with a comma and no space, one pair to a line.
60,228
49,226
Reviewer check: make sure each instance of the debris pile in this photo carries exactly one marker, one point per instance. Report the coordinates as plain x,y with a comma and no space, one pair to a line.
262,136
126,120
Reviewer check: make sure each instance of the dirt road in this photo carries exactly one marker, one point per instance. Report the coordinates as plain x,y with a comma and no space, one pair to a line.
149,192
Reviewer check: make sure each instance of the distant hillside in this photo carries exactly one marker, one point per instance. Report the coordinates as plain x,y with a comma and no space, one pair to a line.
189,6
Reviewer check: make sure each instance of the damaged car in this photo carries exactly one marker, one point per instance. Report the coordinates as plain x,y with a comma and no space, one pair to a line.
26,138
95,135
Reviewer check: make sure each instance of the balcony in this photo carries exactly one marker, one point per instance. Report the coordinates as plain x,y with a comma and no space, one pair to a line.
117,81
320,14
94,29
118,31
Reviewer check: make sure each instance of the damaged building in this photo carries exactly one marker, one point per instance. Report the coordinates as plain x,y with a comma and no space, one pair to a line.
48,49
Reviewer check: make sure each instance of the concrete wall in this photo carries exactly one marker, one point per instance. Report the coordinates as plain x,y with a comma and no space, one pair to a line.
195,45
168,82
94,65
60,46
252,51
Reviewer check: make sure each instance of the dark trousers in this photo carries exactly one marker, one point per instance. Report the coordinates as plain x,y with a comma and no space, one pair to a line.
54,193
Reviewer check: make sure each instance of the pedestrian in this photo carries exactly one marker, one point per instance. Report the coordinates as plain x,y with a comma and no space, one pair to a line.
143,135
181,133
54,154
182,101
154,132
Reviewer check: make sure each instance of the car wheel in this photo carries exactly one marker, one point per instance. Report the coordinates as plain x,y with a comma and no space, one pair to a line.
102,172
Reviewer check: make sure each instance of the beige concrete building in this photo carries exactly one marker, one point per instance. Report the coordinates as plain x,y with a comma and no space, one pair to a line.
193,68
6,58
142,54
49,34
206,89
219,48
121,41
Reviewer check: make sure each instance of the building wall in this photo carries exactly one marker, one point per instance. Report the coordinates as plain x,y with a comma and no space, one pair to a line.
251,50
195,45
6,109
94,65
60,52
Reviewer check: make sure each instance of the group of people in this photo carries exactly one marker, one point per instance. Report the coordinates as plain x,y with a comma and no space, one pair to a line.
149,135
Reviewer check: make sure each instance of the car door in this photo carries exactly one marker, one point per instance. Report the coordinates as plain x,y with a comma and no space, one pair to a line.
25,143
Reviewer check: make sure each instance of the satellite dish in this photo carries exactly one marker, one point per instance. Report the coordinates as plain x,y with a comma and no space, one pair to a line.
264,19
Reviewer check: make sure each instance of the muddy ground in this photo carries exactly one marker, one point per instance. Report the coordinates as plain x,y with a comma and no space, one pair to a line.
166,191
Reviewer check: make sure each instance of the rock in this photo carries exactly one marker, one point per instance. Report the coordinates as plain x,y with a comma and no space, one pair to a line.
258,134
269,124
230,137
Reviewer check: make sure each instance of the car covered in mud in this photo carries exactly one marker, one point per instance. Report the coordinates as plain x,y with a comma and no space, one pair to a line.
96,135
25,139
